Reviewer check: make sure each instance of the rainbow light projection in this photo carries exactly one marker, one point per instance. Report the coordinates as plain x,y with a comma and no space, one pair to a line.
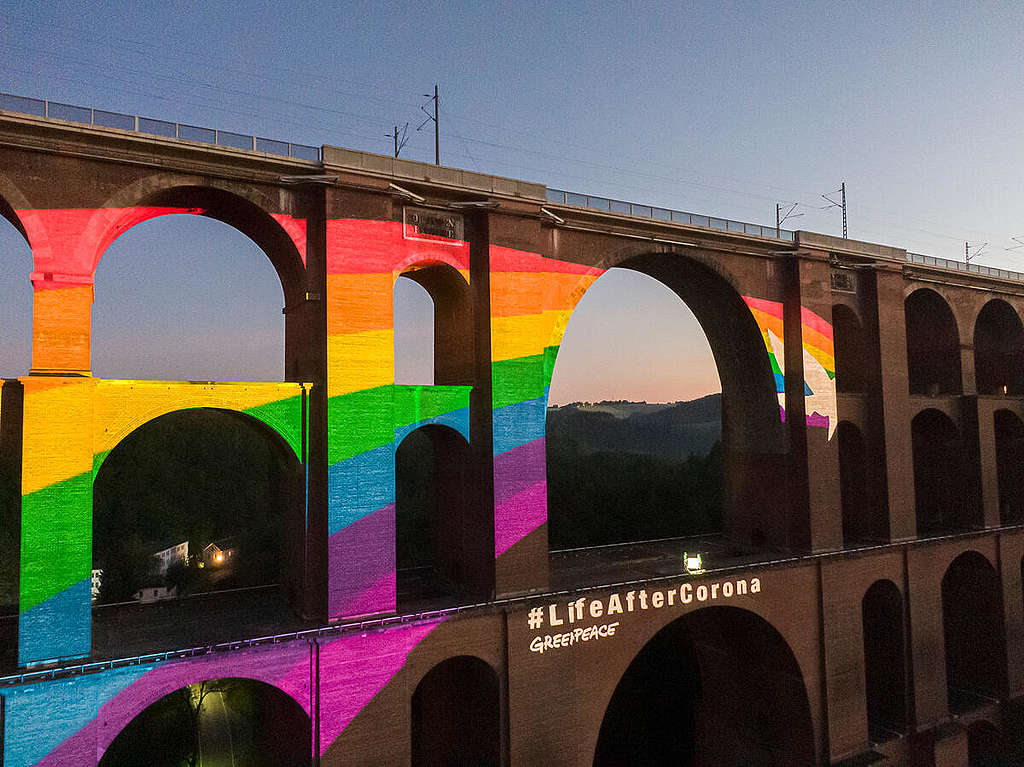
368,415
67,431
71,424
818,357
531,300
86,713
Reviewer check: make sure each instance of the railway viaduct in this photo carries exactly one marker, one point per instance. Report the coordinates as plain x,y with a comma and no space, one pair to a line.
866,605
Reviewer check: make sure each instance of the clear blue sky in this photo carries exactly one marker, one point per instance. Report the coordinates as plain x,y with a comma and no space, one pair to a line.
713,108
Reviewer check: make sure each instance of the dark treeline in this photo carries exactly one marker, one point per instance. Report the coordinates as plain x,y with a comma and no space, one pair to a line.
199,475
612,497
626,471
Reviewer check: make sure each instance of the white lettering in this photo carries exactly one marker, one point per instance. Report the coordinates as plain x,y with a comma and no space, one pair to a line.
657,599
741,588
686,593
614,604
553,618
714,591
755,585
596,608
702,594
672,597
727,589
629,600
643,599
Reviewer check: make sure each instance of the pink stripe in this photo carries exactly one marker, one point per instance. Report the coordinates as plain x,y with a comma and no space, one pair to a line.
378,597
355,668
774,308
812,320
360,557
520,515
518,469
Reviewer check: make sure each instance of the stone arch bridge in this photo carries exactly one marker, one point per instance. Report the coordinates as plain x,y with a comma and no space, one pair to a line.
868,602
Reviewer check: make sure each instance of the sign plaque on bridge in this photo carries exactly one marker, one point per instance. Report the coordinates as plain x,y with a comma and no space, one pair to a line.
436,223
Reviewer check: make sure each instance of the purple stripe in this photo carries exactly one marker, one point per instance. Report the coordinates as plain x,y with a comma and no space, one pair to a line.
361,559
816,419
518,469
520,515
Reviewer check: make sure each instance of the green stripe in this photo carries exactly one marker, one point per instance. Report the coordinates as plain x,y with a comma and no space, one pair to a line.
367,419
517,380
284,416
56,539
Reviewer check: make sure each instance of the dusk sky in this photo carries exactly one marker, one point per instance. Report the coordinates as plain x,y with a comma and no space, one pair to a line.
711,108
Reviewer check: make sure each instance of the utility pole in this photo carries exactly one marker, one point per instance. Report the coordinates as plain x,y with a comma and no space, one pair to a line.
841,204
978,248
399,141
437,127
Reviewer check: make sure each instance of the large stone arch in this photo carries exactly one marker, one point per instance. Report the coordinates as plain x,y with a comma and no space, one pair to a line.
743,671
752,431
281,237
276,525
119,710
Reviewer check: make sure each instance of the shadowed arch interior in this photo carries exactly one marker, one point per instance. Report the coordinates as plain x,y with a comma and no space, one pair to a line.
444,546
882,621
985,746
999,350
202,475
972,623
217,721
945,487
933,344
7,212
453,321
718,686
855,367
864,519
456,715
1010,466
752,432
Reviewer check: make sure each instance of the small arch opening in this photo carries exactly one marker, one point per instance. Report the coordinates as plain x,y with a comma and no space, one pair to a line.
933,345
456,715
433,327
1010,466
443,550
944,500
854,363
864,516
882,620
999,350
972,622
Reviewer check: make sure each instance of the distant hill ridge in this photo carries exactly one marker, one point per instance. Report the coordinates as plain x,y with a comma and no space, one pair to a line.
673,430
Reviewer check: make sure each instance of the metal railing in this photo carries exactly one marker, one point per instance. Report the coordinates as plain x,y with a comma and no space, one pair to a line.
962,266
562,197
153,127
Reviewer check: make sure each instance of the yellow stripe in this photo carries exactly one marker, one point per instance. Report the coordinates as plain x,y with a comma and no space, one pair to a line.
357,361
122,406
825,359
521,336
57,442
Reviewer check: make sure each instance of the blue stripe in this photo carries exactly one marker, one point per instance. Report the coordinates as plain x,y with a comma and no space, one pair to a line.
39,717
57,628
359,486
456,419
515,425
